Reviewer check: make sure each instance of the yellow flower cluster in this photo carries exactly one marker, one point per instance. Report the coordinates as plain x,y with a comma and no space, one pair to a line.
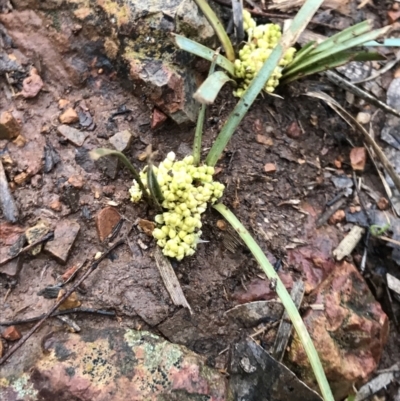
262,39
186,190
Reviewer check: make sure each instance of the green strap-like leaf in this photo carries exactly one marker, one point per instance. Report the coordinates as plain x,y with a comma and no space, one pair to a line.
210,88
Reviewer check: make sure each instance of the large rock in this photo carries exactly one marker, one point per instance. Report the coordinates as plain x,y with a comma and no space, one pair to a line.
349,333
113,364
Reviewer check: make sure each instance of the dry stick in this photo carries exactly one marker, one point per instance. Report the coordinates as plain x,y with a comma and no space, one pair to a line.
58,313
93,267
28,248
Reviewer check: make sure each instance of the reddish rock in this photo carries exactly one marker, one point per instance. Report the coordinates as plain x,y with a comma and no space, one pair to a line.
337,164
294,130
56,205
9,126
358,158
270,168
76,181
32,85
258,289
11,333
115,364
64,237
264,140
337,217
9,233
70,116
221,224
68,273
157,119
349,333
383,203
106,220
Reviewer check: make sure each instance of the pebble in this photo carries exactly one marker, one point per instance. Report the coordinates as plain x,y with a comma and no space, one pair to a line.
56,205
76,181
270,168
106,220
62,103
70,303
121,140
11,333
337,217
358,158
64,237
32,85
9,126
294,131
264,140
69,116
382,203
157,118
21,178
363,118
35,233
221,224
19,141
147,227
73,135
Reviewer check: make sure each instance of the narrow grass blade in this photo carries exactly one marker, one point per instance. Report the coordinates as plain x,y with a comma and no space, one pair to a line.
154,187
200,120
210,88
289,37
358,41
202,51
287,301
341,37
96,154
218,28
390,42
333,61
303,52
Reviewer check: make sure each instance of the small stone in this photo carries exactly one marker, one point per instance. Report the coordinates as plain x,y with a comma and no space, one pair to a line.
106,220
264,140
363,118
20,178
157,119
121,140
34,233
294,130
11,333
36,181
9,233
19,141
358,158
221,224
337,163
68,273
62,103
382,203
97,255
73,135
337,217
9,126
70,197
147,227
69,116
143,156
56,205
64,237
32,85
76,181
109,190
70,303
270,168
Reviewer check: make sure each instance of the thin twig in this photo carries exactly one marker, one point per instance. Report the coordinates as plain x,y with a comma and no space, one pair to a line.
45,238
93,267
58,313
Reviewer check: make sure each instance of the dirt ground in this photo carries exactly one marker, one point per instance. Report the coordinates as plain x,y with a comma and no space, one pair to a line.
305,138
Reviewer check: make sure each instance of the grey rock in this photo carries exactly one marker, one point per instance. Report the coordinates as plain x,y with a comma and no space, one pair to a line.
73,135
121,140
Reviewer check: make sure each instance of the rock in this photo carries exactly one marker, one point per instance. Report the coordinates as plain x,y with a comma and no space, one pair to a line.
68,273
76,181
13,267
19,141
73,135
363,118
109,190
221,224
337,217
62,103
32,85
121,140
70,303
382,203
157,118
51,157
254,313
264,140
294,130
11,333
358,158
70,116
56,205
109,166
270,168
349,333
106,220
147,227
248,380
21,178
9,233
118,363
64,237
9,126
34,233
70,196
